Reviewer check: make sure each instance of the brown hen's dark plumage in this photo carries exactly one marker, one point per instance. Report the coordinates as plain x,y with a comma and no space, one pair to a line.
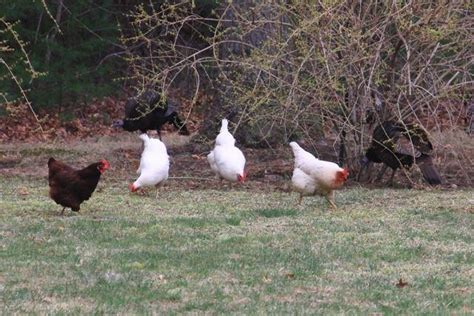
70,187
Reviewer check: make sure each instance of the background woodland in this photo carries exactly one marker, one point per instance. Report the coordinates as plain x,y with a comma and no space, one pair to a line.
322,72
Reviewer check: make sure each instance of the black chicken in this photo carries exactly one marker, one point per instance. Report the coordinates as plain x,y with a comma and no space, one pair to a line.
384,149
150,112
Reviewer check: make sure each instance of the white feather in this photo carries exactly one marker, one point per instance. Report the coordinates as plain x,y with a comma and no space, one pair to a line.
226,160
229,161
212,163
303,183
154,163
224,137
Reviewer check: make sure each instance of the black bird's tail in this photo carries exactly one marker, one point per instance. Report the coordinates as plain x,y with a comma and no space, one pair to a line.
180,125
428,169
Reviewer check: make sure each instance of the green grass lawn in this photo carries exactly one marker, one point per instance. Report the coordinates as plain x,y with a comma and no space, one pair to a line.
236,252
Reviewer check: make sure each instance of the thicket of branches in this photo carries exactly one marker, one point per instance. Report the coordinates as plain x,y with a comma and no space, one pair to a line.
289,69
279,70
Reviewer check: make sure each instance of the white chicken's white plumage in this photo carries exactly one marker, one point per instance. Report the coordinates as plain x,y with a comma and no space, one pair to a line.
212,163
230,163
226,160
303,183
314,176
154,164
225,137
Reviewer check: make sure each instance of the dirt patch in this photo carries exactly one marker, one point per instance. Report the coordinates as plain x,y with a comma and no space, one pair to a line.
24,151
268,169
79,122
189,168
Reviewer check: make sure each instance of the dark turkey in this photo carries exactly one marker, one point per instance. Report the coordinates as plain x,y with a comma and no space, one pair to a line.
150,111
399,145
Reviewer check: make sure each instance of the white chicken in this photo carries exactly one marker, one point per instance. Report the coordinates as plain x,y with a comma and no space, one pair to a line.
312,176
226,160
154,164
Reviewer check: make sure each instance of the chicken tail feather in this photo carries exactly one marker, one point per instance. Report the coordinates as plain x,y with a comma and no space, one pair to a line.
430,174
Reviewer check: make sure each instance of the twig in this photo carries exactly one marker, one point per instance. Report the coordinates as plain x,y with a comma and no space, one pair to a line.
191,178
23,93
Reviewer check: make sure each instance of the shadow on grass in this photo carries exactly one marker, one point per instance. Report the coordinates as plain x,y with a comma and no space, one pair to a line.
277,212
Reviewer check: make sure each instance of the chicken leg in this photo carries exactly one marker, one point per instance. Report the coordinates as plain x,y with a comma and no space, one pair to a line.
364,172
300,199
390,182
158,185
330,199
62,212
381,173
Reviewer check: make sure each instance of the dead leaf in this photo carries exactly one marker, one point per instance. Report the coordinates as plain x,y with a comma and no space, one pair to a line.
290,275
22,191
48,299
266,279
401,284
197,157
161,277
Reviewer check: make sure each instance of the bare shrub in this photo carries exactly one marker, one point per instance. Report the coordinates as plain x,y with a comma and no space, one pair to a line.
296,69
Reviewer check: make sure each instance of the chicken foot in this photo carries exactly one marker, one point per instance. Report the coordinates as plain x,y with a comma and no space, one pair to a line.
158,186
